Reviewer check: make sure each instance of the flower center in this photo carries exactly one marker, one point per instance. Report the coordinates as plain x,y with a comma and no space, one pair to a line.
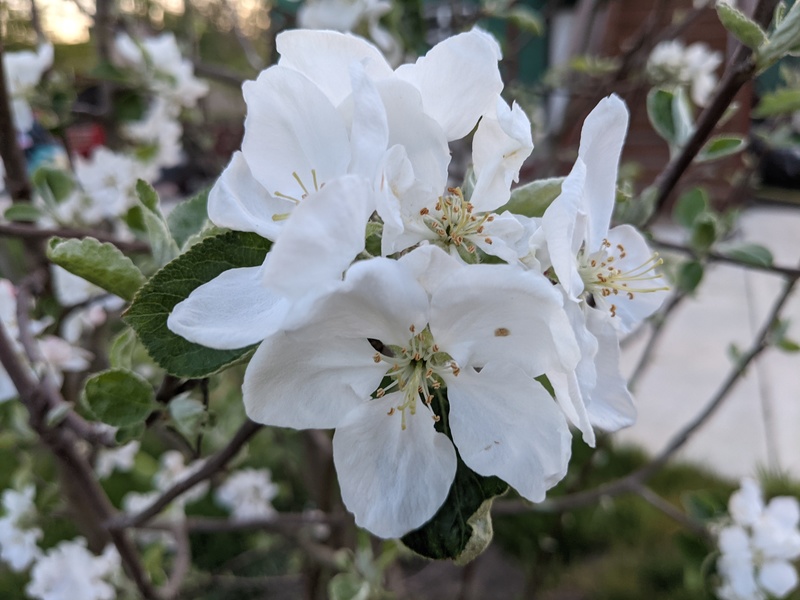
317,186
602,276
454,222
416,370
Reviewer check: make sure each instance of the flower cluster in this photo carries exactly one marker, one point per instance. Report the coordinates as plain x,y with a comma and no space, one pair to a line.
693,66
429,351
757,546
70,570
18,537
248,494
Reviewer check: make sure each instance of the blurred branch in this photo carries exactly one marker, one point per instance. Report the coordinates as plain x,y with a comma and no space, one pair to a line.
718,257
632,482
182,563
222,74
739,71
671,511
209,468
36,22
658,330
62,443
24,231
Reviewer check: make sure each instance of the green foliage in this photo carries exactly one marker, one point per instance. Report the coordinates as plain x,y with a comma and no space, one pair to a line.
751,254
162,245
524,18
188,218
188,415
671,116
784,40
100,263
741,26
784,101
152,305
22,211
690,206
119,397
690,274
54,185
532,199
721,146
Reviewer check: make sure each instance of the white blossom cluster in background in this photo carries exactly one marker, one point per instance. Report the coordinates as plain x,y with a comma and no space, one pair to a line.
348,16
57,354
758,545
338,142
693,66
68,570
23,72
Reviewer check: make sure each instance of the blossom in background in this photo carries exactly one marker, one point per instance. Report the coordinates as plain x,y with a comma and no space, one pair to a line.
173,470
424,322
18,539
694,66
70,570
116,459
248,494
349,16
23,71
757,547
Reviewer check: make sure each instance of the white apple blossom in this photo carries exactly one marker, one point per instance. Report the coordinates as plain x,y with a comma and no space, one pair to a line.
69,571
161,132
173,470
108,180
116,459
160,61
694,66
248,494
18,538
424,322
607,275
757,547
23,71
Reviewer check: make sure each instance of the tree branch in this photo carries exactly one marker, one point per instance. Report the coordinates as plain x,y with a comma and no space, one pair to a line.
38,233
209,468
17,183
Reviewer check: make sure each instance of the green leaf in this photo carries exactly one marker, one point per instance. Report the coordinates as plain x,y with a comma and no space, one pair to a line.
690,275
188,414
784,101
721,146
704,232
348,586
162,246
788,345
751,254
100,263
785,39
54,185
22,211
374,238
188,218
120,356
532,199
690,206
741,26
659,110
152,305
525,18
119,397
682,116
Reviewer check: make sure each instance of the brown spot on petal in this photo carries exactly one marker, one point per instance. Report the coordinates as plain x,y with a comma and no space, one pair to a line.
501,332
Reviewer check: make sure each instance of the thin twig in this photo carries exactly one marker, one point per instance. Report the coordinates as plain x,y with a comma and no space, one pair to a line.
655,336
671,511
182,563
219,73
719,257
209,468
17,183
739,71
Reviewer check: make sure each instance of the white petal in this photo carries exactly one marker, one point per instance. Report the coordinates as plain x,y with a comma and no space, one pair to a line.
505,231
459,80
297,379
231,311
500,146
505,424
784,510
325,58
422,137
564,229
393,480
602,137
498,312
746,504
431,266
292,131
321,239
609,403
239,202
778,578
638,257
370,131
